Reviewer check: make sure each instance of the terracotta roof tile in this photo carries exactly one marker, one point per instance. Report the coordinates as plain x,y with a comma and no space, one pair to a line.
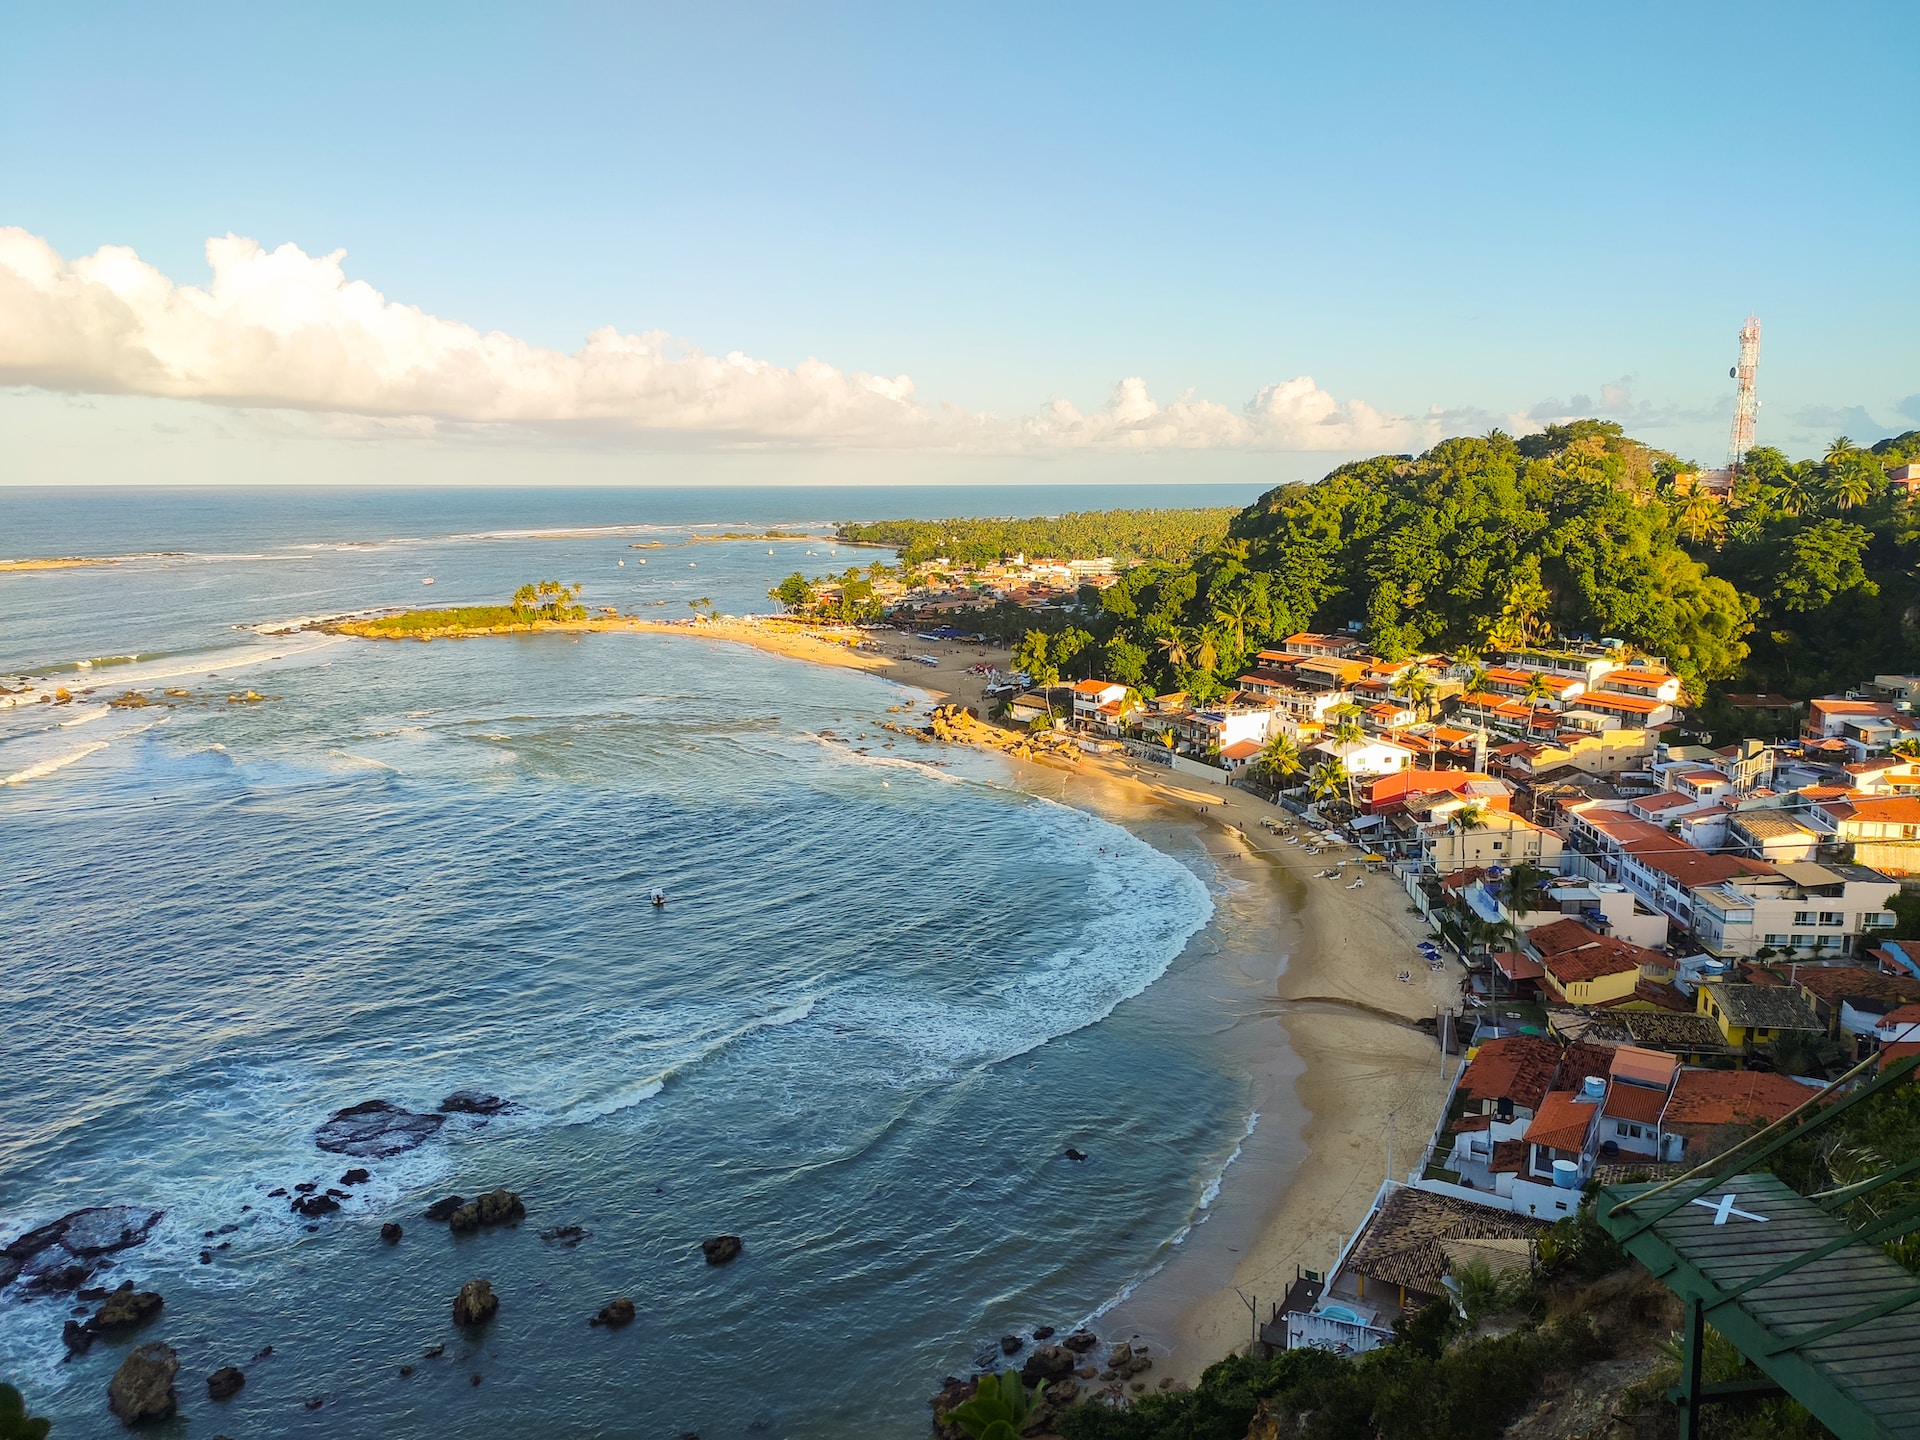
1403,1241
1706,1098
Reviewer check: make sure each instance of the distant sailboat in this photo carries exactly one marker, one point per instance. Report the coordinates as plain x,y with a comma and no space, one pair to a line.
427,581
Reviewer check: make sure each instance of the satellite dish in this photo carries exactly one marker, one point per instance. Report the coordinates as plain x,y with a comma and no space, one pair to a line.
1733,372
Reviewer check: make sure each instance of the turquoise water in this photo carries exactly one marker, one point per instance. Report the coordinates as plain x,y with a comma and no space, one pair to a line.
890,990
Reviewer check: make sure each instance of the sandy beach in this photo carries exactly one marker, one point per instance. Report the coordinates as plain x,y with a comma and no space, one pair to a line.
1351,1057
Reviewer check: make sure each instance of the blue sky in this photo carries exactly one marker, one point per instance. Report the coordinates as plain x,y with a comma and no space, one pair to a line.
1482,211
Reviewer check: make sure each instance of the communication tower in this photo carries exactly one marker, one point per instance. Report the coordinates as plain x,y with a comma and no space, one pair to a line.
1747,406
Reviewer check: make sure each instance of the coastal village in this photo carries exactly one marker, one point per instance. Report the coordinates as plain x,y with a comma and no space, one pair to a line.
1660,946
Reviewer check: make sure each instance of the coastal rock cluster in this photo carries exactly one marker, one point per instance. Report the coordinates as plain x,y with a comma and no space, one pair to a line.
66,1256
1067,1370
957,725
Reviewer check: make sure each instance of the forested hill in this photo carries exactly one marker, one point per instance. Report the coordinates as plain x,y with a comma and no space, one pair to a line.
1801,580
1082,535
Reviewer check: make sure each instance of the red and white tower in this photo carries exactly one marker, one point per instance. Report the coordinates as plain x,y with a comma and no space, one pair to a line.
1747,406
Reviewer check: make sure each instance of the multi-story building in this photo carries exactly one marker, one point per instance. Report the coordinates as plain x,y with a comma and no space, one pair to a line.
1801,909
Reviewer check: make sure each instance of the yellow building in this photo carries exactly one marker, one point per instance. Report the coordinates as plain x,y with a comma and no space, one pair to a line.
1754,1014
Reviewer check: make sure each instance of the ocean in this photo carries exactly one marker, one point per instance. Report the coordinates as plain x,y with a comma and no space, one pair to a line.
891,988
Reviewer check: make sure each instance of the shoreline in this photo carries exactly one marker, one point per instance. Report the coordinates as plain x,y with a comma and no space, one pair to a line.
1292,1193
1352,1058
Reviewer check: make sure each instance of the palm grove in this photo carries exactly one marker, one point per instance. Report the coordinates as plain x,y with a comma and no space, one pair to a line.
1800,580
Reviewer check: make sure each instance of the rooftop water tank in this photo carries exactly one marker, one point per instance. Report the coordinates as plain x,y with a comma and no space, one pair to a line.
1566,1174
1593,1088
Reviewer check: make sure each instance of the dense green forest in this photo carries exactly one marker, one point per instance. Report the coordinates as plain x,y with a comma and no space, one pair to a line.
1084,535
1802,581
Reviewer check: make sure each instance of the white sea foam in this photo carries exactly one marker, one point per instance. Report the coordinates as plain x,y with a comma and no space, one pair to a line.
41,769
86,717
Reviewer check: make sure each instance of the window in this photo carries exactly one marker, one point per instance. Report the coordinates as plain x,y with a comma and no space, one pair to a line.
1832,917
1776,940
1803,917
1802,942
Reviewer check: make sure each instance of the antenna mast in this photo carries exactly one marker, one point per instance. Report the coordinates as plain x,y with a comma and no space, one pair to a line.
1747,406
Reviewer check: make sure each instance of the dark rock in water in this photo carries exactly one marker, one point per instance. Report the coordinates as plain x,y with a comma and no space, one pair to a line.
53,1249
243,1210
1010,1344
278,1193
375,1130
721,1249
474,1379
442,1210
78,1338
142,1388
434,1352
1080,1342
567,1235
1077,1156
355,1176
263,1352
473,1102
406,1371
1048,1362
225,1381
339,1194
307,1187
57,1279
615,1313
313,1205
475,1304
496,1207
316,1402
391,1233
228,1229
206,1257
206,1234
126,1308
1045,1332
312,1229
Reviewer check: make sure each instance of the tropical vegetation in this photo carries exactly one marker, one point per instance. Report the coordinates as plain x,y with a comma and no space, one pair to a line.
1082,535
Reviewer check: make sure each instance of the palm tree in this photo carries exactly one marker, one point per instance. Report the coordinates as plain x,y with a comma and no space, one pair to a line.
1907,749
1233,613
1839,448
1415,687
1204,655
1799,492
1327,780
1702,520
1348,731
1280,758
1174,647
1849,483
1538,690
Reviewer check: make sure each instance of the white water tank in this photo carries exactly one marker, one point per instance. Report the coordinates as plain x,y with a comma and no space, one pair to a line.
1593,1088
1566,1174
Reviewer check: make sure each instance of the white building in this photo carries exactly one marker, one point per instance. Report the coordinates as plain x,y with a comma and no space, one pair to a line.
1803,910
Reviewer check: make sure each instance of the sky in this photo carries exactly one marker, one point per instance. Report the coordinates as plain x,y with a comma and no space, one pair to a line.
753,243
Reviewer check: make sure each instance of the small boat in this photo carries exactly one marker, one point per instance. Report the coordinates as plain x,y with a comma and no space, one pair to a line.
659,899
427,581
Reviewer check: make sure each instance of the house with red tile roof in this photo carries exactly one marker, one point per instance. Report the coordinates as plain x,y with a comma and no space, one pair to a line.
1579,967
1884,831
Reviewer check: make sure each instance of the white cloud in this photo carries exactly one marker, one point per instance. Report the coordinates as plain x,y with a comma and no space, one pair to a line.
285,330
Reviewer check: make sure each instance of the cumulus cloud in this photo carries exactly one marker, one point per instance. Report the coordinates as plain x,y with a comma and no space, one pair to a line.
281,329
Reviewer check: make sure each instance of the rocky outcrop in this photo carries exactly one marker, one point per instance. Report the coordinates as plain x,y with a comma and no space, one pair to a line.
496,1207
314,1206
225,1381
614,1313
721,1249
1081,1341
475,1304
125,1309
1048,1362
391,1233
355,1176
376,1130
567,1235
442,1210
1010,1344
59,1251
474,1102
141,1390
